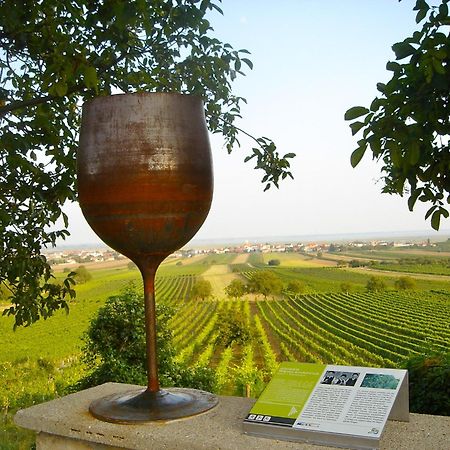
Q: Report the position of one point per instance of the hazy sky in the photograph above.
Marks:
(312, 61)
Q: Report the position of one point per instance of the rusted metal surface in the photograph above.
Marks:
(145, 187)
(145, 406)
(144, 172)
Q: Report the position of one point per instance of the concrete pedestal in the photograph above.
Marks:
(66, 424)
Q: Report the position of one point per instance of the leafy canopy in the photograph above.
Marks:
(82, 275)
(55, 55)
(115, 346)
(235, 289)
(407, 127)
(202, 289)
(375, 284)
(265, 282)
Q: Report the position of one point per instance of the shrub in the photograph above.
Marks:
(375, 284)
(82, 275)
(429, 383)
(232, 328)
(357, 263)
(201, 289)
(115, 348)
(346, 287)
(265, 282)
(235, 289)
(405, 283)
(274, 262)
(295, 287)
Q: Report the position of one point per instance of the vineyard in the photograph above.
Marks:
(368, 329)
(360, 328)
(323, 324)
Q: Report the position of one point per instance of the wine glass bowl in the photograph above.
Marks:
(145, 187)
(145, 172)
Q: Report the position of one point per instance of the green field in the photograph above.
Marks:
(295, 260)
(323, 324)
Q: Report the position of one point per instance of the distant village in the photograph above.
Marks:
(81, 256)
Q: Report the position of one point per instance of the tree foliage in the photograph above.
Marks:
(265, 282)
(82, 275)
(202, 289)
(115, 348)
(405, 283)
(274, 262)
(375, 284)
(407, 127)
(429, 383)
(296, 287)
(54, 55)
(232, 329)
(346, 287)
(235, 289)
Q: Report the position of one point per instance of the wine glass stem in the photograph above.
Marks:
(148, 276)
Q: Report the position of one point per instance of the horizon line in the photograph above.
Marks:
(290, 237)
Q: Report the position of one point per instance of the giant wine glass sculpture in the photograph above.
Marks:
(145, 187)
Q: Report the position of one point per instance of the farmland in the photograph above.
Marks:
(324, 323)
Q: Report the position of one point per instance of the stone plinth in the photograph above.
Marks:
(66, 424)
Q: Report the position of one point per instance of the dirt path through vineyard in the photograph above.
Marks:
(220, 276)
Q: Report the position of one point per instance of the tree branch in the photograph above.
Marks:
(237, 128)
(44, 99)
(23, 104)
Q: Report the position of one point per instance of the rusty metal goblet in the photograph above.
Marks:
(145, 187)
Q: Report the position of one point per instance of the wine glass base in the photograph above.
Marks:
(144, 406)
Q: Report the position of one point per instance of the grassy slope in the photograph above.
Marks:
(59, 335)
(219, 276)
(296, 260)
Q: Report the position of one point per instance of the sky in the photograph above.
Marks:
(312, 61)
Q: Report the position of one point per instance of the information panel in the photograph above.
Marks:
(329, 404)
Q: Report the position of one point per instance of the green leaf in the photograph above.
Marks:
(413, 198)
(421, 4)
(396, 156)
(355, 127)
(438, 67)
(355, 112)
(430, 211)
(414, 153)
(90, 77)
(59, 89)
(357, 155)
(403, 49)
(248, 62)
(376, 103)
(381, 87)
(216, 8)
(393, 66)
(375, 145)
(443, 10)
(436, 220)
(421, 15)
(440, 53)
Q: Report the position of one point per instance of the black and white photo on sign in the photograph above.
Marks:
(332, 377)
